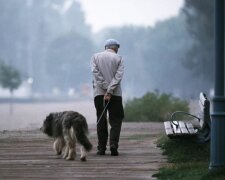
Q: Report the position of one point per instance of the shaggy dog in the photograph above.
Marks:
(67, 128)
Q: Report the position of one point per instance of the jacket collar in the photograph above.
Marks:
(110, 50)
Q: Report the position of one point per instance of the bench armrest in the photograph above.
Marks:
(181, 112)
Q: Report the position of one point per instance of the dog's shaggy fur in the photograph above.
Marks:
(68, 127)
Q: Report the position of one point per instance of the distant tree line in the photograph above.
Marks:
(176, 55)
(52, 43)
(46, 41)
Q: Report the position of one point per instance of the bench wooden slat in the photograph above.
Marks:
(168, 128)
(176, 129)
(169, 132)
(183, 127)
(201, 122)
(201, 105)
(202, 98)
(167, 125)
(190, 128)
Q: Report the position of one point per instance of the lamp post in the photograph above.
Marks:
(217, 152)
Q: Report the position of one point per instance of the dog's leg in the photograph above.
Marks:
(83, 154)
(72, 145)
(66, 138)
(58, 145)
(70, 139)
(66, 152)
(72, 153)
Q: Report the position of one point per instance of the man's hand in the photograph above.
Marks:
(107, 96)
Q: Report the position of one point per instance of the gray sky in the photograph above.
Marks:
(107, 13)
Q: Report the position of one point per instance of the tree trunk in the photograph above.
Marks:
(11, 103)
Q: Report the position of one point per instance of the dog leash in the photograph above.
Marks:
(105, 107)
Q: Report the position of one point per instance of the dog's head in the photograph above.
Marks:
(47, 125)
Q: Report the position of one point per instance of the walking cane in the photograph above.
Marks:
(105, 107)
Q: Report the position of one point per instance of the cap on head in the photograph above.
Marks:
(111, 42)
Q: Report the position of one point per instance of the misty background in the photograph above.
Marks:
(50, 43)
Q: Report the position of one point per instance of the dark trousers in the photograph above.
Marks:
(116, 115)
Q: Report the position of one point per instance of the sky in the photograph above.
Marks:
(107, 13)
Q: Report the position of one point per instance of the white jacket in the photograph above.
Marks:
(107, 69)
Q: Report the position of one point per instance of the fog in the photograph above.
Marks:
(26, 116)
(50, 44)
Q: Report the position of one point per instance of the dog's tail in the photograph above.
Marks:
(81, 131)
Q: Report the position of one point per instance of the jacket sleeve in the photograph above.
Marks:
(97, 74)
(117, 78)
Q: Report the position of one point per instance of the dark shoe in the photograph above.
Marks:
(100, 152)
(114, 151)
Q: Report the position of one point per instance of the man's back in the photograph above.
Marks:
(107, 62)
(108, 69)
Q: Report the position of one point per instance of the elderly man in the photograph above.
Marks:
(107, 69)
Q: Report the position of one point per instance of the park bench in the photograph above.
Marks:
(187, 128)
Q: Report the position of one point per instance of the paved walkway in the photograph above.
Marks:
(29, 155)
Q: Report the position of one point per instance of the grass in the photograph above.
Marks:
(187, 160)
